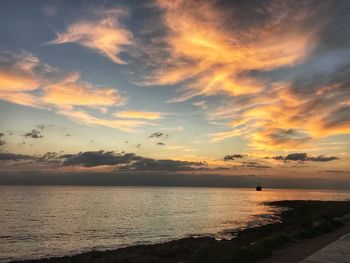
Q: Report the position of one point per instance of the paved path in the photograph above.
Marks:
(299, 251)
(336, 252)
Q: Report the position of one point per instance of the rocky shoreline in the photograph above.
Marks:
(299, 221)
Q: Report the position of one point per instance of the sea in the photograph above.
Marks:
(45, 221)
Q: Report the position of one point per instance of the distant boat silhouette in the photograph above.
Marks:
(258, 187)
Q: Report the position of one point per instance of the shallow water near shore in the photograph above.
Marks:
(44, 221)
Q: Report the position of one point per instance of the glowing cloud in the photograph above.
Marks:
(213, 52)
(210, 58)
(284, 118)
(103, 33)
(17, 72)
(63, 93)
(72, 92)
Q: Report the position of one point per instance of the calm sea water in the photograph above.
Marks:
(42, 221)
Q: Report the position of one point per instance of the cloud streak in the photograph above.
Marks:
(65, 93)
(209, 57)
(103, 33)
(158, 135)
(126, 161)
(233, 157)
(14, 157)
(97, 159)
(303, 157)
(278, 75)
(146, 115)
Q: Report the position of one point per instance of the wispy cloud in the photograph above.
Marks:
(217, 51)
(14, 157)
(303, 157)
(290, 118)
(201, 104)
(64, 93)
(103, 33)
(19, 75)
(147, 115)
(208, 57)
(86, 118)
(70, 91)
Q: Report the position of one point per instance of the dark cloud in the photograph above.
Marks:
(339, 117)
(322, 158)
(98, 158)
(160, 143)
(148, 164)
(126, 161)
(35, 134)
(2, 145)
(233, 157)
(252, 165)
(138, 145)
(14, 157)
(222, 168)
(49, 158)
(303, 157)
(158, 135)
(67, 135)
(2, 142)
(337, 171)
(283, 136)
(122, 161)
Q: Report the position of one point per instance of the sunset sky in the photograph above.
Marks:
(209, 87)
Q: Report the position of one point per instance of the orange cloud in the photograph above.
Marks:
(283, 119)
(17, 72)
(73, 92)
(21, 98)
(103, 33)
(10, 81)
(210, 59)
(20, 74)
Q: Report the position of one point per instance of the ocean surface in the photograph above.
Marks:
(43, 221)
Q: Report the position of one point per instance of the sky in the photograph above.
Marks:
(243, 89)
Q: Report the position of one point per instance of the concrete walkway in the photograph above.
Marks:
(336, 252)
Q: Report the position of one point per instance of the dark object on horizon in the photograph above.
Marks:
(258, 187)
